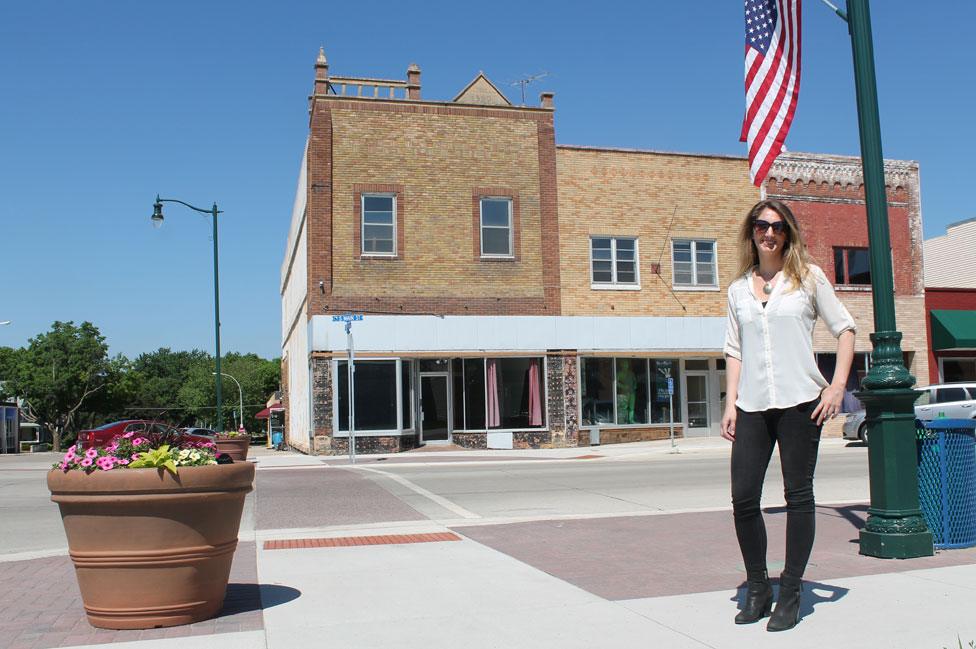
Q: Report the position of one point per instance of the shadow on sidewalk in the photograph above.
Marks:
(853, 514)
(241, 598)
(811, 595)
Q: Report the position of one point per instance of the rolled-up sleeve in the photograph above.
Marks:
(733, 344)
(833, 312)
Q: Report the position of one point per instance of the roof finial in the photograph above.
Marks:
(321, 58)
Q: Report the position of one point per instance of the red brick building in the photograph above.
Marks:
(826, 193)
(520, 293)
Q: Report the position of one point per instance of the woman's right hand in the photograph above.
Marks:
(728, 422)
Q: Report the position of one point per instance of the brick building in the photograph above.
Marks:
(950, 302)
(519, 293)
(826, 193)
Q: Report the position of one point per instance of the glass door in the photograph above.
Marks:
(696, 400)
(435, 409)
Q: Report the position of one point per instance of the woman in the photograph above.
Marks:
(776, 395)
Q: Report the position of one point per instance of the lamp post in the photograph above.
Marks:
(240, 393)
(157, 221)
(895, 527)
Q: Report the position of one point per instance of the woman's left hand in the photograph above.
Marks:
(830, 401)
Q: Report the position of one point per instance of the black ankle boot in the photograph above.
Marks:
(759, 599)
(787, 612)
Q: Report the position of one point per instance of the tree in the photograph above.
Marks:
(156, 379)
(58, 372)
(258, 378)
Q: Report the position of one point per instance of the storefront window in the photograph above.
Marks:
(406, 393)
(627, 391)
(597, 390)
(474, 394)
(661, 369)
(457, 376)
(376, 395)
(631, 391)
(515, 393)
(958, 369)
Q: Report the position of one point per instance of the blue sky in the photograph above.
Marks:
(106, 104)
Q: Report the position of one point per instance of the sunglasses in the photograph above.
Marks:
(761, 226)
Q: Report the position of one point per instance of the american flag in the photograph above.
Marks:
(772, 79)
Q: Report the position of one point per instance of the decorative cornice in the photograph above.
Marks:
(822, 168)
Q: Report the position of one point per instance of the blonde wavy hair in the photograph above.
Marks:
(796, 262)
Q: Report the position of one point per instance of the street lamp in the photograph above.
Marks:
(157, 222)
(895, 527)
(240, 393)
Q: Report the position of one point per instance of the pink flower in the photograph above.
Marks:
(111, 448)
(129, 434)
(87, 462)
(139, 441)
(91, 454)
(123, 461)
(70, 455)
(135, 456)
(105, 463)
(63, 466)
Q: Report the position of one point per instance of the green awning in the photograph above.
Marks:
(953, 330)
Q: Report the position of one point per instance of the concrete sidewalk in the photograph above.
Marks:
(672, 579)
(662, 581)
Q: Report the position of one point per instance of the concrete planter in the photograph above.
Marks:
(151, 549)
(235, 447)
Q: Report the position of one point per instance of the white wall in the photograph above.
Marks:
(950, 260)
(296, 351)
(294, 317)
(516, 333)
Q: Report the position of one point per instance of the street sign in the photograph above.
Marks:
(670, 386)
(347, 317)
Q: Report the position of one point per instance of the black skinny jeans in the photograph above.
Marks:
(798, 437)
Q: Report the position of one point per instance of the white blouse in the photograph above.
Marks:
(775, 343)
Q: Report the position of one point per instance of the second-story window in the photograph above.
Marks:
(496, 227)
(613, 262)
(852, 266)
(694, 263)
(379, 224)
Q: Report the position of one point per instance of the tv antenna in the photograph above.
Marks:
(529, 78)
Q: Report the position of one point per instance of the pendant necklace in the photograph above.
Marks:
(768, 286)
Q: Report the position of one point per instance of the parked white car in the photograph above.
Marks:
(951, 400)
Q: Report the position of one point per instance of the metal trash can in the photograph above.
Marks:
(947, 480)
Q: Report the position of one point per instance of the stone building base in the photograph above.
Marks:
(365, 445)
(625, 435)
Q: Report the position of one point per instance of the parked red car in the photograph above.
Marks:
(103, 435)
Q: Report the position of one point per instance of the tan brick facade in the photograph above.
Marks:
(440, 159)
(434, 158)
(626, 193)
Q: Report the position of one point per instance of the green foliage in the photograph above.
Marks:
(157, 458)
(70, 383)
(258, 378)
(58, 372)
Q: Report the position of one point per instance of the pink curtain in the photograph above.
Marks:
(494, 417)
(535, 401)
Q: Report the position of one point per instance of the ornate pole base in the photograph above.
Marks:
(895, 528)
